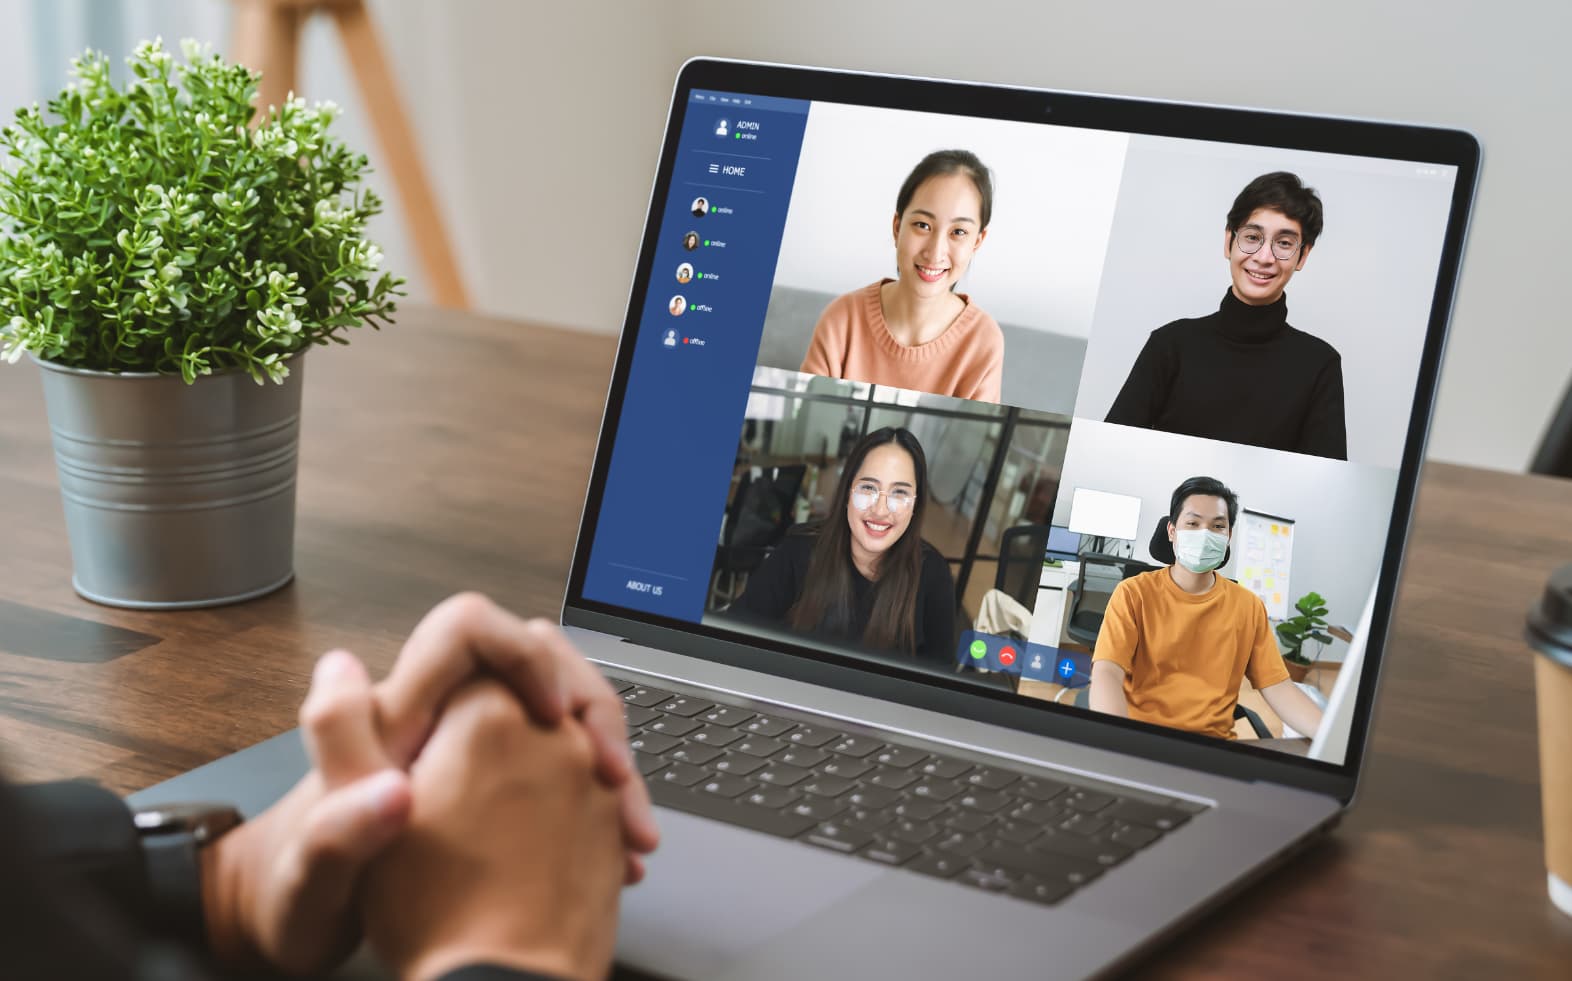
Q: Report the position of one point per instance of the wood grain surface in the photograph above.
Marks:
(451, 452)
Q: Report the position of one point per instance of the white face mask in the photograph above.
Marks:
(1200, 550)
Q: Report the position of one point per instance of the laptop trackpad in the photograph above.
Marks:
(715, 892)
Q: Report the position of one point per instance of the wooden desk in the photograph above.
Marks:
(451, 451)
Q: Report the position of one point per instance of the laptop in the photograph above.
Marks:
(1064, 545)
(873, 783)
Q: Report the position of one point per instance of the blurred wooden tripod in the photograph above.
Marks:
(267, 39)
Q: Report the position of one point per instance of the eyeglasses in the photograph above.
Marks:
(864, 496)
(1250, 239)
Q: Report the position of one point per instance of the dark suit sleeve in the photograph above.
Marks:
(74, 895)
(85, 833)
(1325, 433)
(936, 601)
(1140, 402)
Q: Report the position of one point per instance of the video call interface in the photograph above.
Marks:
(1105, 420)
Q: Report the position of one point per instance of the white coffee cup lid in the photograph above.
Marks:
(1560, 893)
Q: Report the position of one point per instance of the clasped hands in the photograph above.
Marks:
(479, 805)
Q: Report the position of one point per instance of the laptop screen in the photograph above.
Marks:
(1063, 544)
(1088, 416)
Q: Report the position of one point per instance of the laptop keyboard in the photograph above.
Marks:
(995, 828)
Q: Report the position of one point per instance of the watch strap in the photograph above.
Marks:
(174, 881)
(173, 836)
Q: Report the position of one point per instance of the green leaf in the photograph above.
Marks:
(132, 221)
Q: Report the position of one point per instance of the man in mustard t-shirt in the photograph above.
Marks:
(1175, 642)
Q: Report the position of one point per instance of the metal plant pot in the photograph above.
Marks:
(176, 495)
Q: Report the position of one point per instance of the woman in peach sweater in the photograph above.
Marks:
(914, 331)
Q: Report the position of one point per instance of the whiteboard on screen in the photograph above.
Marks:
(1265, 543)
(1105, 515)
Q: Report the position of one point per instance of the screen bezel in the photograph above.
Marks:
(1235, 759)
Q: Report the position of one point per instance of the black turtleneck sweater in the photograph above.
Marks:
(1243, 375)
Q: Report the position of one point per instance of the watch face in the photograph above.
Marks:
(203, 821)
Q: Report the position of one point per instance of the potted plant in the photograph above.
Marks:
(1294, 632)
(167, 264)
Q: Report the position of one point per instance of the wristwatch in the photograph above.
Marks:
(173, 836)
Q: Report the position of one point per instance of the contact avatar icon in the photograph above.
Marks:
(671, 339)
(721, 127)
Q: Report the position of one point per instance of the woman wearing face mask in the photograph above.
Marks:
(1176, 642)
(914, 331)
(863, 576)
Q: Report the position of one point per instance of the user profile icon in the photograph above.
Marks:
(700, 206)
(671, 339)
(722, 127)
(678, 305)
(690, 241)
(685, 272)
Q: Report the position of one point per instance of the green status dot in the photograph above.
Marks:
(714, 208)
(693, 306)
(706, 241)
(737, 136)
(979, 650)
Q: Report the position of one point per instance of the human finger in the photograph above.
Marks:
(640, 832)
(593, 701)
(538, 662)
(633, 870)
(351, 824)
(338, 720)
(462, 636)
(344, 831)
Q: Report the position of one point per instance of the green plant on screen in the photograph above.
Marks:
(1307, 625)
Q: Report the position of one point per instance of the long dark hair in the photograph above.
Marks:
(826, 600)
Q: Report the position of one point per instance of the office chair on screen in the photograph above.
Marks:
(1086, 610)
(757, 519)
(1087, 605)
(1021, 552)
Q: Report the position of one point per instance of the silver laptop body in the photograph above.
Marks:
(723, 902)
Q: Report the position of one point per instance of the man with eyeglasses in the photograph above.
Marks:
(1243, 374)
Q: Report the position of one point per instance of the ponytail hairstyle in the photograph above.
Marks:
(943, 163)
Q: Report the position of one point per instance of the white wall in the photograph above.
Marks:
(17, 86)
(1365, 288)
(1499, 70)
(1340, 510)
(540, 127)
(1054, 191)
(523, 106)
